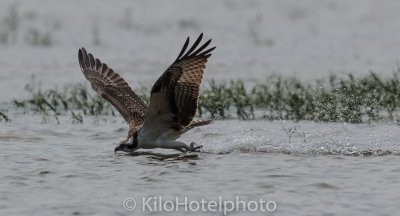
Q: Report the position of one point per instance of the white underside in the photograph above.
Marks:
(154, 138)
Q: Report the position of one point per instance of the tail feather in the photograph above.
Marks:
(193, 124)
(198, 123)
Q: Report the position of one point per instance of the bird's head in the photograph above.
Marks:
(130, 147)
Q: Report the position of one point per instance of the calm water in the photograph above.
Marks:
(66, 169)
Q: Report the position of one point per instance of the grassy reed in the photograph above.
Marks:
(348, 99)
(4, 117)
(367, 99)
(74, 99)
(17, 27)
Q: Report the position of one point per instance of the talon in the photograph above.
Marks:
(195, 148)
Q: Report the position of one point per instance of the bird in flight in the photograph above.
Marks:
(173, 100)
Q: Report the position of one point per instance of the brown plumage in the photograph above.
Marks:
(179, 85)
(173, 100)
(115, 89)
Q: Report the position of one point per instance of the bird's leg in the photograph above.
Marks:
(172, 144)
(194, 147)
(180, 146)
(181, 150)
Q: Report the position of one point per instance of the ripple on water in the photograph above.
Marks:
(17, 178)
(396, 170)
(40, 159)
(70, 176)
(324, 185)
(280, 176)
(21, 138)
(45, 172)
(18, 184)
(265, 185)
(149, 179)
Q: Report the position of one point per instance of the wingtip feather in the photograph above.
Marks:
(194, 46)
(192, 52)
(183, 48)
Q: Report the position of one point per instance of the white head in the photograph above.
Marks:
(130, 147)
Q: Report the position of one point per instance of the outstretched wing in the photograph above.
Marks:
(113, 88)
(174, 97)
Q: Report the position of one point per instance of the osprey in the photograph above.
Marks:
(173, 100)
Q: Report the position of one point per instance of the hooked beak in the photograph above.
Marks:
(116, 149)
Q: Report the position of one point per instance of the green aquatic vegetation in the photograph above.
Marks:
(24, 27)
(345, 99)
(76, 118)
(55, 102)
(9, 25)
(35, 37)
(215, 101)
(4, 117)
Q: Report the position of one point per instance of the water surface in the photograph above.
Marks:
(71, 169)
